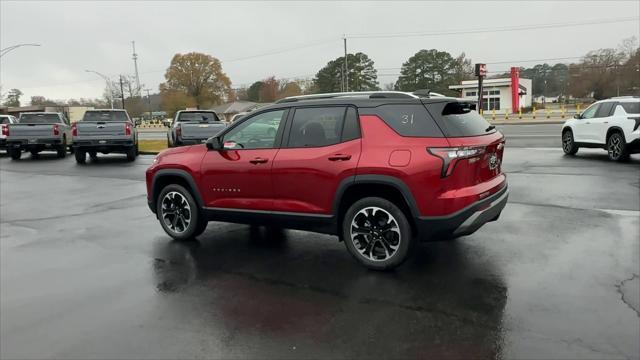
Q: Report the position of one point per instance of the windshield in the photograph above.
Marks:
(197, 116)
(119, 116)
(39, 118)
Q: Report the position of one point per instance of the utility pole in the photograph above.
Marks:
(149, 102)
(135, 64)
(346, 66)
(122, 91)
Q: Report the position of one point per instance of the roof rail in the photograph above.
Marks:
(355, 94)
(626, 97)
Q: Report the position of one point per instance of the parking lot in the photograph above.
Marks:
(87, 272)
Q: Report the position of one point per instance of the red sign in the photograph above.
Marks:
(481, 70)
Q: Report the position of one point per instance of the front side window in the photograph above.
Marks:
(314, 127)
(590, 112)
(257, 132)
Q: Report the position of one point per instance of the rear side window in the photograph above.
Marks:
(605, 109)
(631, 107)
(409, 120)
(5, 120)
(314, 127)
(198, 116)
(351, 128)
(459, 119)
(118, 116)
(39, 119)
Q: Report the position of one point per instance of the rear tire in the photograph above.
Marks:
(179, 214)
(93, 155)
(81, 156)
(568, 144)
(131, 153)
(15, 154)
(377, 233)
(617, 147)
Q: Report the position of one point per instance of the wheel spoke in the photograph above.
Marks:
(375, 233)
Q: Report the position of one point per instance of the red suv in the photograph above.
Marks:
(380, 170)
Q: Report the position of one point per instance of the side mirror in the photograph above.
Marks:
(214, 143)
(577, 116)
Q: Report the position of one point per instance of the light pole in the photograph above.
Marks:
(8, 49)
(108, 85)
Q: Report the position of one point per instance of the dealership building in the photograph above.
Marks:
(503, 95)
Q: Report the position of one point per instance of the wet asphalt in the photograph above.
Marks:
(87, 272)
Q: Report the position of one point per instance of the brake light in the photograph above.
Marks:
(178, 131)
(74, 129)
(451, 156)
(127, 129)
(56, 129)
(5, 129)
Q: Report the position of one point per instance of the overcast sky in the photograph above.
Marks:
(97, 35)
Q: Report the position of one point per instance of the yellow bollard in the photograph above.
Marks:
(506, 114)
(520, 113)
(547, 112)
(578, 108)
(534, 112)
(562, 112)
(493, 111)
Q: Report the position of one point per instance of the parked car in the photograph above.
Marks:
(378, 169)
(5, 120)
(38, 131)
(104, 131)
(193, 127)
(612, 124)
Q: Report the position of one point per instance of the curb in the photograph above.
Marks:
(554, 122)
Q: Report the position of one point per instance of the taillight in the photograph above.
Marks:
(5, 129)
(451, 156)
(56, 129)
(178, 131)
(74, 129)
(127, 129)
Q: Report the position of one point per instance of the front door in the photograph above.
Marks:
(600, 122)
(323, 148)
(239, 175)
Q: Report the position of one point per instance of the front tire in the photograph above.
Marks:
(179, 214)
(568, 144)
(617, 147)
(377, 233)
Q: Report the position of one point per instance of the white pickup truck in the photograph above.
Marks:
(104, 131)
(38, 131)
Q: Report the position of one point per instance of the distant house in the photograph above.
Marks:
(226, 111)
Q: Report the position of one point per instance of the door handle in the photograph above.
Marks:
(339, 157)
(587, 123)
(258, 160)
(606, 122)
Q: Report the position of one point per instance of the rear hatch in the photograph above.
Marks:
(102, 124)
(475, 151)
(34, 126)
(199, 125)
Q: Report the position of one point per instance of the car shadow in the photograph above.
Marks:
(601, 156)
(445, 301)
(104, 160)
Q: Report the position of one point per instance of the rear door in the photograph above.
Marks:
(597, 129)
(321, 149)
(239, 176)
(582, 131)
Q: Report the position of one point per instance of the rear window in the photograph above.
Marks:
(5, 120)
(119, 116)
(459, 119)
(198, 116)
(39, 118)
(631, 107)
(410, 120)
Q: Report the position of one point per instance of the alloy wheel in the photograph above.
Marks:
(375, 233)
(615, 146)
(567, 142)
(176, 212)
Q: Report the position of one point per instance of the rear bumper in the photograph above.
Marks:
(111, 145)
(33, 144)
(465, 221)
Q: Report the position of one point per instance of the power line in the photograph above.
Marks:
(494, 29)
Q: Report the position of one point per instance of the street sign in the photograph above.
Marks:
(481, 70)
